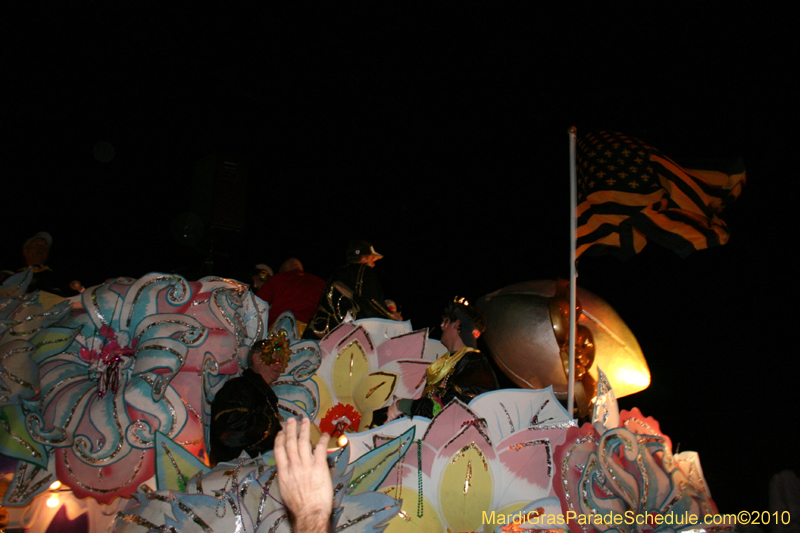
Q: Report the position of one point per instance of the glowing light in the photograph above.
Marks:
(53, 501)
(341, 441)
(55, 485)
(633, 377)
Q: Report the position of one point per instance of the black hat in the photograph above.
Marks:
(473, 324)
(359, 249)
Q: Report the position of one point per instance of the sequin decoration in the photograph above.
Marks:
(363, 364)
(620, 470)
(538, 442)
(462, 452)
(243, 496)
(132, 368)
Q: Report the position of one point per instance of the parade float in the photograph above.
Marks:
(106, 399)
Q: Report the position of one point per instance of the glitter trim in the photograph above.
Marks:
(81, 444)
(565, 469)
(508, 417)
(16, 380)
(181, 477)
(603, 451)
(16, 351)
(22, 490)
(471, 446)
(535, 420)
(34, 417)
(548, 451)
(20, 440)
(416, 332)
(172, 500)
(139, 521)
(479, 424)
(278, 523)
(361, 518)
(173, 295)
(102, 491)
(392, 386)
(354, 483)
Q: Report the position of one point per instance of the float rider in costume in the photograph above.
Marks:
(292, 289)
(354, 289)
(461, 373)
(36, 251)
(244, 413)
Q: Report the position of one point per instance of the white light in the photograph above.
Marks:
(342, 441)
(55, 485)
(52, 501)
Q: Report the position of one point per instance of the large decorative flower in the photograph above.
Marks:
(367, 362)
(630, 471)
(476, 465)
(133, 369)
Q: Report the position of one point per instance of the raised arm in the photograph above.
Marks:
(304, 478)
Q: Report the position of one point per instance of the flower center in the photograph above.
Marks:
(105, 364)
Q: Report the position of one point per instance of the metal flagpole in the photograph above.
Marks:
(573, 271)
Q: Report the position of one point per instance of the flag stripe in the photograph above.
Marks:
(691, 195)
(630, 193)
(594, 222)
(680, 231)
(656, 232)
(726, 187)
(621, 241)
(603, 203)
(621, 200)
(715, 233)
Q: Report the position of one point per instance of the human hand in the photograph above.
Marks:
(303, 477)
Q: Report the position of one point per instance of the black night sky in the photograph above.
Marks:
(438, 131)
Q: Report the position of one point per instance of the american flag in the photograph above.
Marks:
(630, 193)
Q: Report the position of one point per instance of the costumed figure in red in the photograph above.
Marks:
(292, 289)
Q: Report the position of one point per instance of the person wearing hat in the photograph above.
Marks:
(244, 413)
(260, 274)
(36, 250)
(353, 288)
(462, 373)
